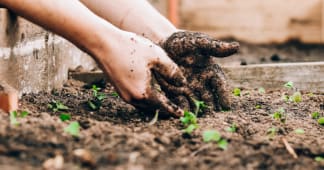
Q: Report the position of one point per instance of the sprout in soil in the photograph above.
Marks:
(14, 115)
(299, 131)
(261, 90)
(296, 97)
(289, 85)
(280, 115)
(200, 105)
(315, 115)
(189, 120)
(232, 128)
(320, 121)
(237, 92)
(319, 159)
(114, 94)
(98, 97)
(272, 132)
(57, 106)
(73, 129)
(258, 106)
(215, 136)
(65, 116)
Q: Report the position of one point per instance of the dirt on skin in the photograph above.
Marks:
(118, 137)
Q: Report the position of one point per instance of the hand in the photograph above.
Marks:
(129, 66)
(206, 80)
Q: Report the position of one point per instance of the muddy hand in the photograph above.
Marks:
(206, 80)
(130, 69)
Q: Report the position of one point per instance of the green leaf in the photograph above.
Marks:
(315, 115)
(73, 129)
(232, 129)
(319, 158)
(65, 116)
(289, 85)
(222, 144)
(92, 105)
(191, 128)
(299, 131)
(272, 131)
(286, 98)
(23, 114)
(321, 121)
(101, 96)
(114, 94)
(280, 115)
(258, 106)
(189, 118)
(211, 136)
(237, 92)
(296, 97)
(261, 90)
(199, 106)
(13, 118)
(61, 106)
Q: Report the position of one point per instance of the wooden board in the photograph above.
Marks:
(254, 20)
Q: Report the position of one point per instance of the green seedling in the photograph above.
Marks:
(258, 106)
(215, 136)
(114, 94)
(286, 98)
(189, 120)
(73, 129)
(237, 92)
(65, 116)
(98, 97)
(199, 105)
(319, 159)
(272, 132)
(320, 121)
(310, 94)
(315, 115)
(280, 115)
(232, 128)
(261, 90)
(57, 106)
(296, 97)
(14, 115)
(299, 131)
(289, 85)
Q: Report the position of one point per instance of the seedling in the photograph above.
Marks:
(296, 97)
(315, 115)
(280, 115)
(299, 131)
(200, 105)
(65, 116)
(272, 132)
(189, 121)
(261, 90)
(215, 136)
(232, 128)
(320, 121)
(57, 106)
(98, 97)
(319, 159)
(289, 85)
(258, 106)
(114, 94)
(14, 115)
(237, 92)
(73, 129)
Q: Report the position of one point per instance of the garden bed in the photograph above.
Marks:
(118, 137)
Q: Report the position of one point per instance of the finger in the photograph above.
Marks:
(169, 71)
(185, 43)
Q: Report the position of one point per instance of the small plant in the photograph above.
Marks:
(14, 115)
(199, 105)
(299, 131)
(232, 128)
(272, 132)
(237, 92)
(189, 120)
(114, 94)
(280, 115)
(296, 97)
(319, 159)
(320, 121)
(258, 106)
(315, 115)
(98, 97)
(289, 85)
(73, 129)
(65, 116)
(261, 90)
(215, 136)
(57, 106)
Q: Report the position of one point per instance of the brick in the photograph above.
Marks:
(8, 98)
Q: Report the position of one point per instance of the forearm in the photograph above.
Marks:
(136, 16)
(70, 19)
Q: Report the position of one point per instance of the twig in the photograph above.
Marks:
(155, 119)
(289, 148)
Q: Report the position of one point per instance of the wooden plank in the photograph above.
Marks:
(254, 20)
(306, 76)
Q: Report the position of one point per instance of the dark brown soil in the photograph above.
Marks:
(119, 137)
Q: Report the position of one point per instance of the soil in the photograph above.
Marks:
(119, 137)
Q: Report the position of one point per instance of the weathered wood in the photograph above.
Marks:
(306, 76)
(254, 20)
